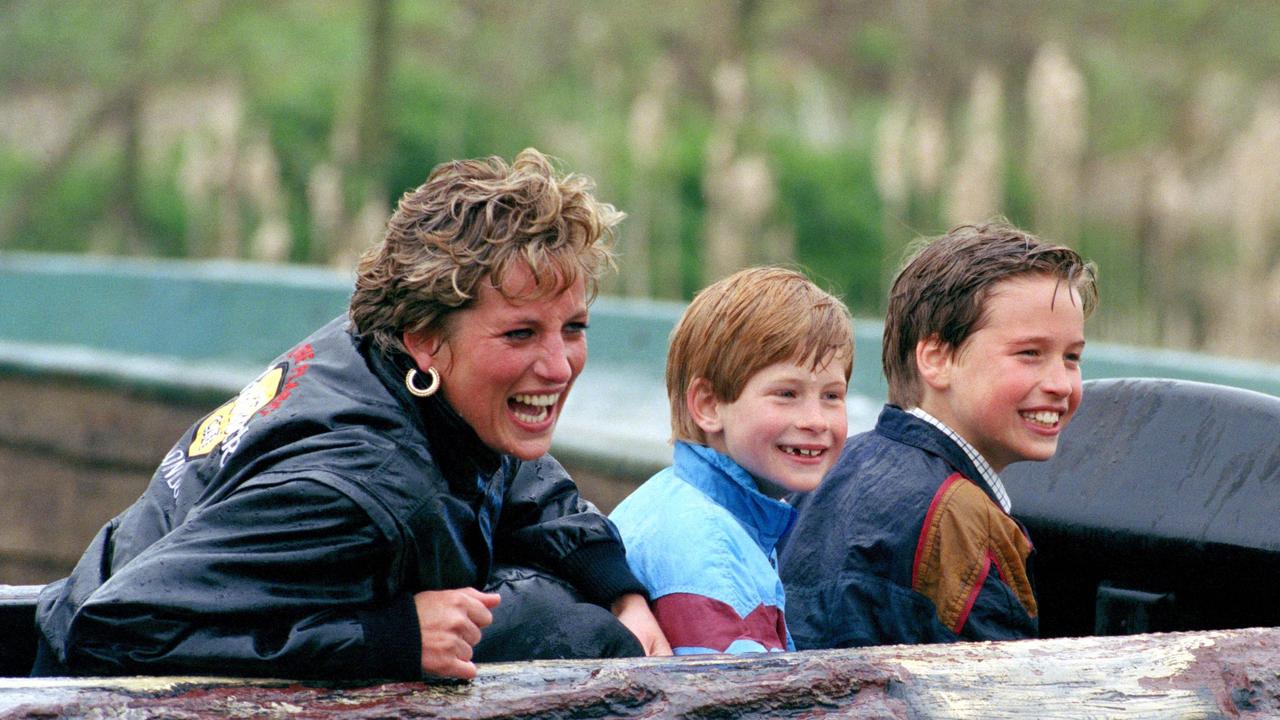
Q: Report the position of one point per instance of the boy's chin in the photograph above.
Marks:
(1038, 453)
(771, 489)
(779, 490)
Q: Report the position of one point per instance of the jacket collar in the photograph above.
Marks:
(724, 481)
(985, 472)
(900, 425)
(455, 447)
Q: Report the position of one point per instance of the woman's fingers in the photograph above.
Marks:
(449, 622)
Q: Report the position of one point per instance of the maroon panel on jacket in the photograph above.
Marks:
(691, 620)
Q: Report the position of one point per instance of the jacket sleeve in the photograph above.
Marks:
(546, 523)
(997, 613)
(274, 580)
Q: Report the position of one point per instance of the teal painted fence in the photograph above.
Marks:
(209, 327)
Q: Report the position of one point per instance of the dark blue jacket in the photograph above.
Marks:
(286, 532)
(898, 545)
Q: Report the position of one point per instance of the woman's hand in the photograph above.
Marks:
(633, 611)
(450, 622)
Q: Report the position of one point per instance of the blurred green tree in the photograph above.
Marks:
(818, 133)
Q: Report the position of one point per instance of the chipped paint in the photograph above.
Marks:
(1114, 683)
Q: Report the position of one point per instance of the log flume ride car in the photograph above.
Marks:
(1156, 517)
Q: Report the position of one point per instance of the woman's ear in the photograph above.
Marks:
(933, 362)
(423, 347)
(703, 406)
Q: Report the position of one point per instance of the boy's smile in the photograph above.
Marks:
(1014, 383)
(787, 426)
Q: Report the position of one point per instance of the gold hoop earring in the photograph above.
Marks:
(426, 391)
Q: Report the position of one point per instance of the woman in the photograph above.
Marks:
(339, 516)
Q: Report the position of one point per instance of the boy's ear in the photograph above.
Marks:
(933, 362)
(703, 406)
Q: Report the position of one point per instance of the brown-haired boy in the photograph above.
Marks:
(909, 539)
(756, 374)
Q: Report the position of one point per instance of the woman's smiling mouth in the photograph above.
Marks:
(533, 409)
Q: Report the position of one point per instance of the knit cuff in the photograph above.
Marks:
(392, 640)
(599, 571)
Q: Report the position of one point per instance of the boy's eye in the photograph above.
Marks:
(575, 328)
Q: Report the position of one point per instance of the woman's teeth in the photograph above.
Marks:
(533, 408)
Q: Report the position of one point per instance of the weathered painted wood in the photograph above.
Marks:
(1220, 674)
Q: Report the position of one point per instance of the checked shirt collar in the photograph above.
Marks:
(989, 476)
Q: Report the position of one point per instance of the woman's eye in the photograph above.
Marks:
(521, 334)
(575, 328)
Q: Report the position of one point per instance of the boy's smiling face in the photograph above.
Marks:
(786, 427)
(1013, 384)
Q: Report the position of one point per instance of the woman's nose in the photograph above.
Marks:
(554, 365)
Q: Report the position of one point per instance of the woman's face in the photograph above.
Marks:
(507, 366)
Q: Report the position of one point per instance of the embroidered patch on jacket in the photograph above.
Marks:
(965, 534)
(231, 417)
(224, 426)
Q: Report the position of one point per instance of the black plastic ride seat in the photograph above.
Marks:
(1159, 512)
(17, 629)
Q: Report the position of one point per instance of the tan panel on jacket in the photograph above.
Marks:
(964, 535)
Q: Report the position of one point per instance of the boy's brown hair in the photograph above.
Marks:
(746, 322)
(943, 287)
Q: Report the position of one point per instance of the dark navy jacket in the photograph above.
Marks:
(286, 532)
(898, 545)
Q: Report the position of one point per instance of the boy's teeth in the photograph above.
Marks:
(1044, 417)
(804, 452)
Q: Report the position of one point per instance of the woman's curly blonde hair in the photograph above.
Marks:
(474, 220)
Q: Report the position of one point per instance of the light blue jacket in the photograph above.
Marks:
(702, 538)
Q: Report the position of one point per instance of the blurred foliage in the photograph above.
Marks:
(466, 78)
(838, 234)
